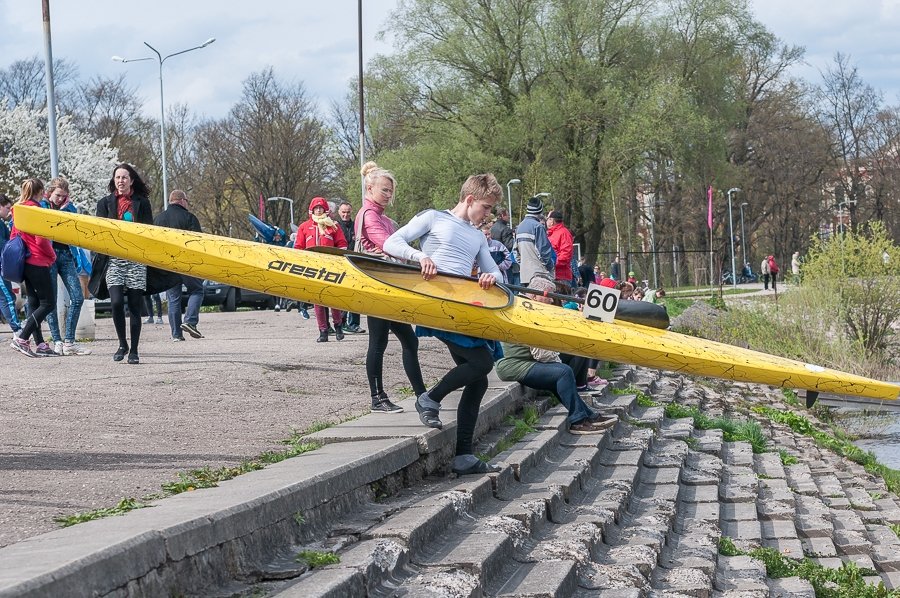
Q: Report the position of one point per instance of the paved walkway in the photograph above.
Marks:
(81, 433)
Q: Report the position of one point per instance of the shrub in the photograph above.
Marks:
(860, 274)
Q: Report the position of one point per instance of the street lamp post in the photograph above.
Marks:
(731, 237)
(743, 244)
(544, 194)
(291, 206)
(509, 196)
(162, 106)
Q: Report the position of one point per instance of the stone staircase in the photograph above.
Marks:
(635, 512)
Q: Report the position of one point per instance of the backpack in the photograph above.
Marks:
(12, 260)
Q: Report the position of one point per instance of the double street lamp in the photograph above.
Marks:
(162, 107)
(731, 237)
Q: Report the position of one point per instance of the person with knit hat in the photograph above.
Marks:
(535, 251)
(321, 230)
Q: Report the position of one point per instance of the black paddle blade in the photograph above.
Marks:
(811, 397)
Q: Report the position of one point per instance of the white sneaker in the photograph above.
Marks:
(71, 348)
(58, 347)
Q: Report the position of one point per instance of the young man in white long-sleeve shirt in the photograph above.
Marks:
(451, 243)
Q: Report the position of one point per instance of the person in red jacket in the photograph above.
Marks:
(41, 298)
(321, 231)
(563, 244)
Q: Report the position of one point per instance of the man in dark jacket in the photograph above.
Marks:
(178, 216)
(345, 220)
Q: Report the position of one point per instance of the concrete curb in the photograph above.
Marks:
(213, 535)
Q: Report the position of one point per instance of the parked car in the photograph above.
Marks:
(226, 297)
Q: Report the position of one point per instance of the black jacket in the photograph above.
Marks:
(177, 216)
(143, 213)
(349, 233)
(501, 231)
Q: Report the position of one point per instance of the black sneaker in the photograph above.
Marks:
(323, 337)
(382, 404)
(192, 330)
(339, 333)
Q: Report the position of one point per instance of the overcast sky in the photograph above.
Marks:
(315, 42)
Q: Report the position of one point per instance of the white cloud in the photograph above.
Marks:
(863, 29)
(309, 41)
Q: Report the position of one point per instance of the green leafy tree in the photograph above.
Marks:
(860, 272)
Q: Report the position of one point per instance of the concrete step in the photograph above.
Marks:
(550, 579)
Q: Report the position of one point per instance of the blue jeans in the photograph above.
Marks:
(65, 268)
(192, 312)
(560, 379)
(8, 305)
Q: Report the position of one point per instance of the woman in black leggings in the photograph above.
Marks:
(126, 280)
(41, 298)
(373, 228)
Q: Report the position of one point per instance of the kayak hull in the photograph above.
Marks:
(363, 285)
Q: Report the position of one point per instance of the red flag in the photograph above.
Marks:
(709, 194)
(262, 208)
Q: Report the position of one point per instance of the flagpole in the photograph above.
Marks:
(709, 223)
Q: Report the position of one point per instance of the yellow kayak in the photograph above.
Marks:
(397, 292)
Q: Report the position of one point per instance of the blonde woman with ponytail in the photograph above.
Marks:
(373, 227)
(41, 298)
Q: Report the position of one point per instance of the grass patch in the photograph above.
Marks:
(732, 430)
(643, 399)
(727, 547)
(787, 458)
(317, 558)
(205, 477)
(848, 581)
(125, 505)
(521, 427)
(894, 528)
(837, 442)
(675, 306)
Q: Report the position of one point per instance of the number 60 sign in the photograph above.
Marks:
(601, 302)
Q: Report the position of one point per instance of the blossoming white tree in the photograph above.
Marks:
(25, 152)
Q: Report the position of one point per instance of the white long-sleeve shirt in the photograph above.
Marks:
(453, 244)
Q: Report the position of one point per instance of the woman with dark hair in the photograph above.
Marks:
(128, 200)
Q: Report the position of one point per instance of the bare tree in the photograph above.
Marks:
(272, 143)
(849, 111)
(23, 83)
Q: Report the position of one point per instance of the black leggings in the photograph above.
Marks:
(117, 297)
(473, 364)
(378, 340)
(41, 300)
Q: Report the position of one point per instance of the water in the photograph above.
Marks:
(878, 433)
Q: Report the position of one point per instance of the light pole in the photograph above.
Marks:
(731, 237)
(291, 202)
(743, 245)
(509, 197)
(544, 194)
(162, 106)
